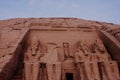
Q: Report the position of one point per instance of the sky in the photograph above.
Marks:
(97, 10)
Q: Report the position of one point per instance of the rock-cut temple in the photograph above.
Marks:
(59, 49)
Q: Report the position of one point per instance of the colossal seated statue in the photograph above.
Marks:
(52, 61)
(83, 58)
(31, 60)
(105, 61)
(82, 53)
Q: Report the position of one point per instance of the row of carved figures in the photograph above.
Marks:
(53, 60)
(96, 65)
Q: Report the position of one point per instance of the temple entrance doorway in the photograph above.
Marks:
(69, 76)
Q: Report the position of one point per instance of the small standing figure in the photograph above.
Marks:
(31, 60)
(66, 50)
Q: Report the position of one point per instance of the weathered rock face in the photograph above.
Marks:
(59, 49)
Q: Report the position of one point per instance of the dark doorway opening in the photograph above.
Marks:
(69, 76)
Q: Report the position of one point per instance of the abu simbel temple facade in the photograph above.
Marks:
(59, 49)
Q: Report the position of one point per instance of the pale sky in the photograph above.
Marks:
(98, 10)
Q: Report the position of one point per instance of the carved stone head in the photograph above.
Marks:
(100, 45)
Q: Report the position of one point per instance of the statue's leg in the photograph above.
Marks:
(78, 70)
(45, 71)
(81, 71)
(108, 70)
(58, 71)
(50, 71)
(35, 72)
(88, 70)
(96, 71)
(115, 69)
(28, 71)
(102, 71)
